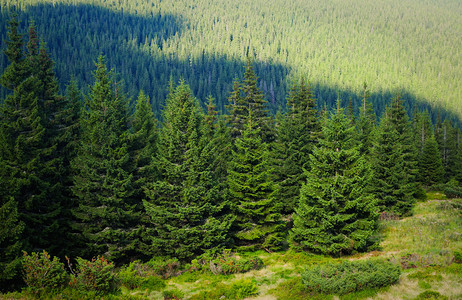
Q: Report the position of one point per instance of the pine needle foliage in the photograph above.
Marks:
(186, 204)
(336, 215)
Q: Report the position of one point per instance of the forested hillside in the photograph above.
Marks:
(94, 178)
(413, 46)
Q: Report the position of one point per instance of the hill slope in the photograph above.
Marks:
(414, 45)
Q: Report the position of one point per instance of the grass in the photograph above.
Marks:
(435, 225)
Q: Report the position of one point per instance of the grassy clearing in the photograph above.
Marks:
(436, 226)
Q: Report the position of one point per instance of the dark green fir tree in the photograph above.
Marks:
(186, 204)
(336, 215)
(431, 169)
(422, 130)
(392, 185)
(143, 146)
(31, 165)
(143, 143)
(237, 110)
(106, 222)
(247, 98)
(258, 221)
(298, 131)
(446, 136)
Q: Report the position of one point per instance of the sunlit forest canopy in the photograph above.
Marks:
(413, 45)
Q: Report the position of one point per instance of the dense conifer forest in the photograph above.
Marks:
(413, 46)
(213, 158)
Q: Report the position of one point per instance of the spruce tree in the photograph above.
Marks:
(237, 110)
(143, 143)
(247, 98)
(256, 104)
(431, 169)
(335, 214)
(258, 222)
(30, 163)
(17, 70)
(105, 221)
(392, 185)
(185, 203)
(298, 130)
(422, 130)
(143, 146)
(399, 119)
(446, 137)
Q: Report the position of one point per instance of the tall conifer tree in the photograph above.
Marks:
(31, 166)
(394, 181)
(297, 135)
(245, 99)
(103, 186)
(252, 192)
(185, 204)
(431, 169)
(336, 215)
(446, 137)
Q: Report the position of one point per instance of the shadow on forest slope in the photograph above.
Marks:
(132, 44)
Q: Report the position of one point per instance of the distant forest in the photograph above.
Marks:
(86, 173)
(413, 47)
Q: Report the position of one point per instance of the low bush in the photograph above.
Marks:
(429, 274)
(227, 263)
(96, 275)
(430, 295)
(165, 267)
(239, 289)
(452, 189)
(138, 275)
(152, 283)
(347, 277)
(242, 289)
(41, 273)
(130, 277)
(172, 294)
(458, 257)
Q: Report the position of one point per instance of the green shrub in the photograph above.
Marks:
(427, 274)
(347, 277)
(452, 189)
(458, 257)
(227, 263)
(153, 283)
(165, 267)
(431, 295)
(41, 273)
(454, 269)
(138, 275)
(95, 275)
(242, 289)
(237, 290)
(129, 276)
(173, 294)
